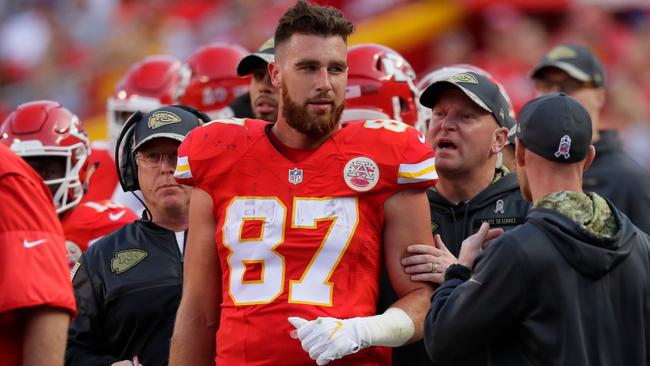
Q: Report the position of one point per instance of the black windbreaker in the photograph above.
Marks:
(616, 176)
(128, 289)
(500, 204)
(549, 293)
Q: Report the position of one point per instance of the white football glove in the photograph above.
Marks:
(328, 339)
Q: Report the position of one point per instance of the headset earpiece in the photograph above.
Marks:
(127, 169)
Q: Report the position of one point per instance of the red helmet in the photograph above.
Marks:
(214, 82)
(381, 85)
(45, 128)
(148, 84)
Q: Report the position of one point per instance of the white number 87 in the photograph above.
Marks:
(313, 287)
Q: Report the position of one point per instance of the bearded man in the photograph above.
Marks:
(295, 218)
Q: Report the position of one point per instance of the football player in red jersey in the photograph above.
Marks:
(303, 213)
(37, 299)
(54, 142)
(149, 83)
(381, 85)
(214, 83)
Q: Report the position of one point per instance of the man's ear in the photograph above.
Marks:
(499, 139)
(591, 154)
(520, 154)
(276, 77)
(600, 98)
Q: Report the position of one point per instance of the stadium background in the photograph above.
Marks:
(74, 51)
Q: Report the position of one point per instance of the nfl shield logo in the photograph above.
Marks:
(295, 176)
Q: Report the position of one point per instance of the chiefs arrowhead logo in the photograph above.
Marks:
(126, 259)
(159, 119)
(463, 78)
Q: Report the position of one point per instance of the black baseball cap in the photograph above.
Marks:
(556, 127)
(263, 56)
(478, 88)
(577, 61)
(172, 122)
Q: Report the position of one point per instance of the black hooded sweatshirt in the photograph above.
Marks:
(549, 293)
(500, 205)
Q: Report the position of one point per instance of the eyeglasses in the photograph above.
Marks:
(566, 85)
(153, 159)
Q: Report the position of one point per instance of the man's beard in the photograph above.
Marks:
(312, 125)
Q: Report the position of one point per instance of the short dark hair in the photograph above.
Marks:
(312, 19)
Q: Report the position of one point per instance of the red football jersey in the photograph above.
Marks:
(33, 268)
(103, 173)
(90, 221)
(299, 239)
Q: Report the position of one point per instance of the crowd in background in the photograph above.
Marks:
(75, 51)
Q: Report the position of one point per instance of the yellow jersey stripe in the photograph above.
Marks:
(417, 174)
(182, 168)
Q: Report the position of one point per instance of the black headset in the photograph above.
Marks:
(127, 169)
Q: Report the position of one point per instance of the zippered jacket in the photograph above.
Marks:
(128, 288)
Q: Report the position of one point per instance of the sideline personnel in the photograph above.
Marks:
(468, 129)
(569, 286)
(128, 284)
(576, 71)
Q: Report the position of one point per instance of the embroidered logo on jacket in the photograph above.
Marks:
(499, 207)
(126, 259)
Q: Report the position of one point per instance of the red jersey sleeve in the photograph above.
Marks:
(33, 262)
(417, 162)
(184, 173)
(102, 173)
(403, 157)
(210, 150)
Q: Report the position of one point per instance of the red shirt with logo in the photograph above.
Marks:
(33, 266)
(299, 238)
(103, 173)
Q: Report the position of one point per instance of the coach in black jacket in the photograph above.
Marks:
(128, 284)
(576, 71)
(568, 287)
(468, 129)
(617, 177)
